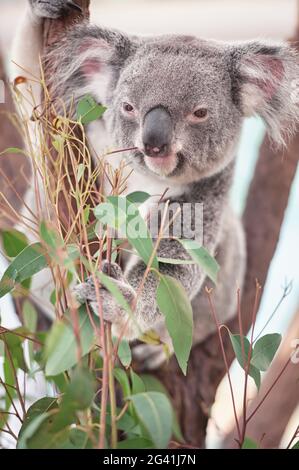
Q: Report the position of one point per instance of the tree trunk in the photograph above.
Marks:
(12, 182)
(54, 30)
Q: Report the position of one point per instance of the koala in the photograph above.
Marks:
(180, 102)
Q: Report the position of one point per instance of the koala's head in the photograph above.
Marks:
(181, 100)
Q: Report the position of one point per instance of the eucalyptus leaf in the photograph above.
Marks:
(176, 307)
(137, 383)
(78, 396)
(202, 257)
(88, 110)
(30, 321)
(110, 285)
(14, 242)
(61, 352)
(121, 215)
(154, 412)
(264, 351)
(136, 443)
(13, 150)
(122, 378)
(36, 415)
(138, 197)
(243, 358)
(30, 261)
(249, 443)
(152, 384)
(14, 340)
(124, 351)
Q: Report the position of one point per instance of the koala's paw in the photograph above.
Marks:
(100, 299)
(150, 357)
(53, 8)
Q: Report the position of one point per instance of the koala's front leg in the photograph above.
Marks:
(190, 276)
(99, 298)
(146, 314)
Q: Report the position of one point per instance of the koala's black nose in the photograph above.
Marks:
(157, 132)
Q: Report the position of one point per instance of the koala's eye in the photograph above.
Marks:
(201, 113)
(128, 108)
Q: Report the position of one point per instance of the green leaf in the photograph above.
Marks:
(3, 418)
(86, 214)
(264, 351)
(154, 412)
(137, 383)
(58, 143)
(61, 346)
(80, 391)
(88, 110)
(39, 435)
(126, 423)
(237, 346)
(123, 380)
(249, 443)
(50, 236)
(124, 351)
(14, 343)
(137, 443)
(9, 379)
(30, 322)
(31, 431)
(29, 262)
(125, 217)
(30, 316)
(176, 307)
(176, 261)
(138, 197)
(13, 150)
(295, 446)
(202, 257)
(78, 396)
(35, 416)
(152, 384)
(13, 242)
(61, 382)
(114, 290)
(80, 172)
(79, 440)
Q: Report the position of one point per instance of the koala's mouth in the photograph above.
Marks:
(166, 166)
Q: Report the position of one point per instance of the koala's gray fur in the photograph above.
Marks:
(180, 74)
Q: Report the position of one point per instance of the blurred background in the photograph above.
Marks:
(225, 20)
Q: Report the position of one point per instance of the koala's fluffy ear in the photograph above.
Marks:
(87, 61)
(266, 83)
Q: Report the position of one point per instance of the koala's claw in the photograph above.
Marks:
(84, 291)
(74, 5)
(112, 270)
(53, 8)
(111, 310)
